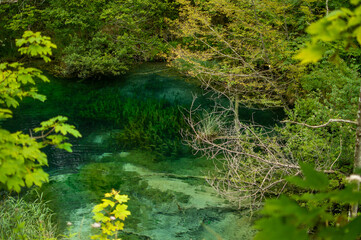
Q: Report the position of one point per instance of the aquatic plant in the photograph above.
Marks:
(209, 125)
(20, 219)
(147, 124)
(152, 125)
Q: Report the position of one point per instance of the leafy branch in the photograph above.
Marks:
(300, 217)
(21, 158)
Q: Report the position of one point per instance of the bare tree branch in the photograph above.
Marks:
(322, 125)
(8, 1)
(251, 162)
(327, 7)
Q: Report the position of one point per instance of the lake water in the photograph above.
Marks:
(169, 197)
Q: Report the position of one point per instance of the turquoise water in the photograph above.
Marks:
(128, 145)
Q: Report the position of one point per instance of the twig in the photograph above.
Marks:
(338, 154)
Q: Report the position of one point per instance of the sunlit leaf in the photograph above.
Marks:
(311, 54)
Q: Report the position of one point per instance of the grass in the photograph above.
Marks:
(20, 219)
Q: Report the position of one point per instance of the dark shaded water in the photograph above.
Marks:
(169, 197)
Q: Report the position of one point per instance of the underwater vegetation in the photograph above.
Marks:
(151, 125)
(147, 124)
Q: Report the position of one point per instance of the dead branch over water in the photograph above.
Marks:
(251, 162)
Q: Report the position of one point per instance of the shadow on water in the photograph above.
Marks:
(131, 142)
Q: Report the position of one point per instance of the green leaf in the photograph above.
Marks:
(11, 102)
(319, 29)
(98, 208)
(275, 228)
(56, 139)
(8, 167)
(5, 113)
(39, 97)
(43, 78)
(346, 195)
(350, 231)
(15, 183)
(37, 177)
(357, 33)
(108, 202)
(311, 54)
(26, 78)
(100, 217)
(66, 147)
(312, 179)
(282, 206)
(354, 21)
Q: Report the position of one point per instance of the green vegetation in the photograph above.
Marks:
(245, 51)
(323, 212)
(151, 125)
(106, 39)
(20, 219)
(21, 158)
(317, 215)
(147, 124)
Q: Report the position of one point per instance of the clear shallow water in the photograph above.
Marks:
(169, 198)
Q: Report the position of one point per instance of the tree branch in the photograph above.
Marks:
(8, 1)
(322, 125)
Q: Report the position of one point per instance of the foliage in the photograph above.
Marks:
(33, 44)
(20, 219)
(105, 39)
(110, 214)
(98, 57)
(320, 213)
(21, 159)
(313, 214)
(24, 19)
(125, 32)
(342, 25)
(340, 99)
(57, 125)
(256, 160)
(328, 92)
(237, 47)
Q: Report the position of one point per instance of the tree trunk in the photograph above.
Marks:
(357, 159)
